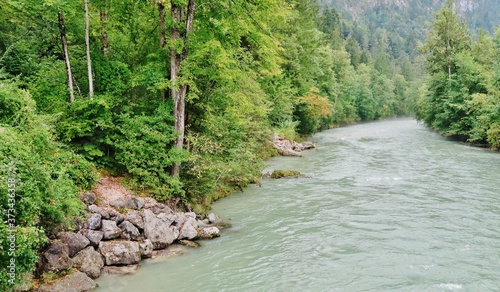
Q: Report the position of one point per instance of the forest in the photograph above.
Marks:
(181, 98)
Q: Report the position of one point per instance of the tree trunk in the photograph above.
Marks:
(104, 34)
(178, 90)
(87, 47)
(69, 76)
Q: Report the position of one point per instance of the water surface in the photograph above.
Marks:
(385, 206)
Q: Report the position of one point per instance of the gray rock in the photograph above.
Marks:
(129, 231)
(120, 252)
(118, 203)
(157, 231)
(88, 198)
(134, 217)
(90, 262)
(75, 282)
(153, 205)
(214, 219)
(94, 222)
(146, 247)
(209, 232)
(110, 230)
(118, 218)
(189, 229)
(75, 242)
(121, 270)
(98, 210)
(56, 258)
(168, 218)
(94, 236)
(133, 202)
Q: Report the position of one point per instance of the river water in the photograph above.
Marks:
(385, 206)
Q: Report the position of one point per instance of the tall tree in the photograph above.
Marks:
(62, 31)
(103, 16)
(183, 17)
(87, 49)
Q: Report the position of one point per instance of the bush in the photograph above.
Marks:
(43, 177)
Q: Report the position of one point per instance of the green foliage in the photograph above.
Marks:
(43, 174)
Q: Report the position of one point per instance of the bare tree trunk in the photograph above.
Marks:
(69, 76)
(104, 34)
(178, 91)
(87, 47)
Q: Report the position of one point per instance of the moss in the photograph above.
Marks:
(286, 173)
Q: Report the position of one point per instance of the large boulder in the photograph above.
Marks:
(94, 222)
(76, 242)
(157, 231)
(189, 229)
(209, 232)
(110, 230)
(56, 258)
(74, 282)
(94, 236)
(133, 202)
(134, 217)
(214, 219)
(98, 210)
(89, 261)
(146, 247)
(120, 252)
(129, 231)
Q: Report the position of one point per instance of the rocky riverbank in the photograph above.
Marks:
(287, 147)
(121, 229)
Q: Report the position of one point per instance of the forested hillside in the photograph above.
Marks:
(182, 98)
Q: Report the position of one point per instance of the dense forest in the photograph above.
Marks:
(181, 98)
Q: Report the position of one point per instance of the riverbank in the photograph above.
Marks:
(121, 230)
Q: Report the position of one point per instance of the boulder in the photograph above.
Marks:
(94, 236)
(146, 248)
(157, 231)
(153, 205)
(74, 282)
(118, 218)
(110, 230)
(214, 219)
(94, 222)
(75, 242)
(209, 232)
(129, 231)
(90, 262)
(56, 258)
(120, 252)
(133, 202)
(189, 229)
(98, 210)
(134, 217)
(168, 218)
(88, 198)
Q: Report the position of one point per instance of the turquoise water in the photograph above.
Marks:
(385, 206)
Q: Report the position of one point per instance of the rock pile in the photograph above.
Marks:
(120, 235)
(291, 148)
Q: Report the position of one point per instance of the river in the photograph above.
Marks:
(385, 206)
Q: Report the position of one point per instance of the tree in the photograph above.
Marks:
(183, 17)
(62, 31)
(87, 49)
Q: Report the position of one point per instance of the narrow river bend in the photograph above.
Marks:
(385, 206)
